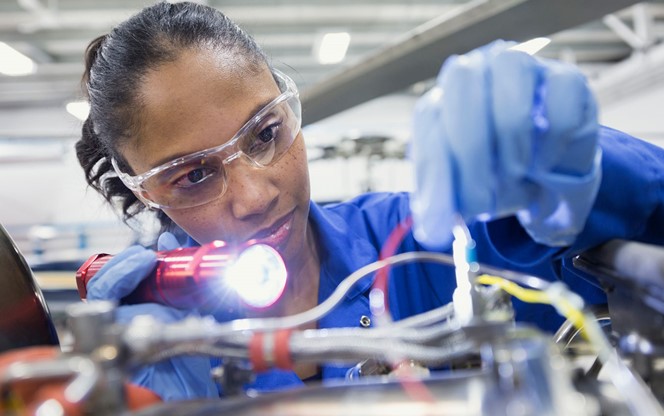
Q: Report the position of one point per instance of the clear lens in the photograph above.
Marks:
(192, 183)
(271, 137)
(200, 178)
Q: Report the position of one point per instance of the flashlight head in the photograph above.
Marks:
(258, 276)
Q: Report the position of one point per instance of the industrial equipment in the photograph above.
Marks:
(462, 360)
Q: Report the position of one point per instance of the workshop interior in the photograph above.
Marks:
(360, 67)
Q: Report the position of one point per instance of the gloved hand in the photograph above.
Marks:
(125, 271)
(178, 378)
(505, 133)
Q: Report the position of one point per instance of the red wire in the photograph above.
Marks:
(413, 387)
(389, 248)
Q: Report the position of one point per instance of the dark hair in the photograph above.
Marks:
(116, 65)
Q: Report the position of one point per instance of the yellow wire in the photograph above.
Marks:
(563, 306)
(620, 376)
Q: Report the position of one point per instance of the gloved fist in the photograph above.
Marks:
(125, 271)
(505, 133)
(184, 377)
(121, 274)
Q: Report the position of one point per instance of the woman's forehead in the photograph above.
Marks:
(193, 103)
(200, 78)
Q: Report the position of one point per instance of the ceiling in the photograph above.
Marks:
(394, 44)
(396, 48)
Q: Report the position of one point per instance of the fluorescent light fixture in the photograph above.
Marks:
(14, 63)
(79, 109)
(43, 232)
(332, 47)
(532, 46)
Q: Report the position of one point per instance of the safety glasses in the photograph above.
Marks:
(201, 177)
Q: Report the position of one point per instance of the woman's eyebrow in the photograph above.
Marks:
(253, 113)
(257, 109)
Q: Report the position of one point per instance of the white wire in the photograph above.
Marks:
(322, 309)
(442, 313)
(238, 326)
(357, 348)
(315, 313)
(238, 332)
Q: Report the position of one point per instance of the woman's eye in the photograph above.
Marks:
(193, 177)
(269, 133)
(263, 141)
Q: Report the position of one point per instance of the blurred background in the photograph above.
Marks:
(360, 65)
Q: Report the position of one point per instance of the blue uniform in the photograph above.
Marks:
(630, 205)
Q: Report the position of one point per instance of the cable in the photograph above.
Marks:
(195, 349)
(443, 313)
(566, 302)
(315, 313)
(414, 335)
(378, 296)
(358, 348)
(526, 295)
(293, 321)
(635, 393)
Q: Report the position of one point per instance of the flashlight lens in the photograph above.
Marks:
(258, 276)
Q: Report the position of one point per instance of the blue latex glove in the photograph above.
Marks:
(505, 133)
(178, 378)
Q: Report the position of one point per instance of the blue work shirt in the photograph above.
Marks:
(629, 205)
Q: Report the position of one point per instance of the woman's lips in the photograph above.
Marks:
(277, 235)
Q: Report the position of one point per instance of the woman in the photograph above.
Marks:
(188, 118)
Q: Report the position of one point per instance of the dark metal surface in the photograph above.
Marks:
(24, 316)
(632, 275)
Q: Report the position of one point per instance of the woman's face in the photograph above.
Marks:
(200, 101)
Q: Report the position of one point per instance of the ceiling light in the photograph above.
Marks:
(79, 109)
(532, 46)
(13, 62)
(332, 47)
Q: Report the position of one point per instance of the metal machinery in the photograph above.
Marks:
(465, 358)
(24, 317)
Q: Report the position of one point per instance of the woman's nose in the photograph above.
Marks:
(251, 192)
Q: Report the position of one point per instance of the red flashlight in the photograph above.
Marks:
(204, 277)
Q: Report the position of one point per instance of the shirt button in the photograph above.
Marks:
(365, 321)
